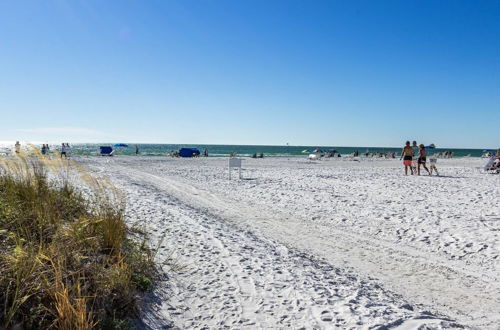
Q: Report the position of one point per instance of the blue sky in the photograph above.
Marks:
(342, 73)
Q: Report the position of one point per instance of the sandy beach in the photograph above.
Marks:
(334, 243)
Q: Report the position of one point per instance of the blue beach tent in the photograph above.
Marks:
(106, 151)
(189, 152)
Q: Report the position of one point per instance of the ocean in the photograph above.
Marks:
(216, 150)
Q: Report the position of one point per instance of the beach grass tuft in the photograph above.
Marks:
(67, 260)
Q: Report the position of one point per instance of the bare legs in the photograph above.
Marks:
(406, 169)
(423, 164)
(434, 168)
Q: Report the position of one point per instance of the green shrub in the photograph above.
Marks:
(66, 261)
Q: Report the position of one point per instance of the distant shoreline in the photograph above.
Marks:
(243, 150)
(10, 143)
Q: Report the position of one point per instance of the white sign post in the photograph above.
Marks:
(235, 162)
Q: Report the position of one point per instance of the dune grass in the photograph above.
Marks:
(66, 259)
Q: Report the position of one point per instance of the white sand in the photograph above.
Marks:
(324, 244)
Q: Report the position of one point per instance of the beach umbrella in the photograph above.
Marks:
(121, 145)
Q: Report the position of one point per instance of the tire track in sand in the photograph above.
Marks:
(237, 279)
(444, 286)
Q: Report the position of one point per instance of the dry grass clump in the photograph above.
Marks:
(66, 261)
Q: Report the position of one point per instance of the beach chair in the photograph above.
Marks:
(315, 156)
(491, 165)
(106, 151)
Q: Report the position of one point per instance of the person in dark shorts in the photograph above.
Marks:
(64, 151)
(407, 156)
(422, 159)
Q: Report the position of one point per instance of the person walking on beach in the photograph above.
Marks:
(414, 163)
(64, 150)
(422, 158)
(17, 147)
(407, 156)
(433, 168)
(136, 150)
(415, 148)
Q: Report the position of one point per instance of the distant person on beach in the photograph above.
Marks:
(497, 159)
(433, 168)
(415, 148)
(407, 156)
(136, 150)
(422, 158)
(17, 147)
(64, 150)
(205, 153)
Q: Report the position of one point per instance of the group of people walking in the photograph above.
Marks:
(410, 151)
(64, 152)
(45, 150)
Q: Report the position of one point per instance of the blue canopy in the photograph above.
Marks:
(106, 151)
(189, 152)
(121, 145)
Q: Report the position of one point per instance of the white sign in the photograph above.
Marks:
(235, 162)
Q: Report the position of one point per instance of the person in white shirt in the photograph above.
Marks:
(64, 150)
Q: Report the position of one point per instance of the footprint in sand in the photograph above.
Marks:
(326, 316)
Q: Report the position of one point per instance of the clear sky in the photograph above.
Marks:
(342, 73)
